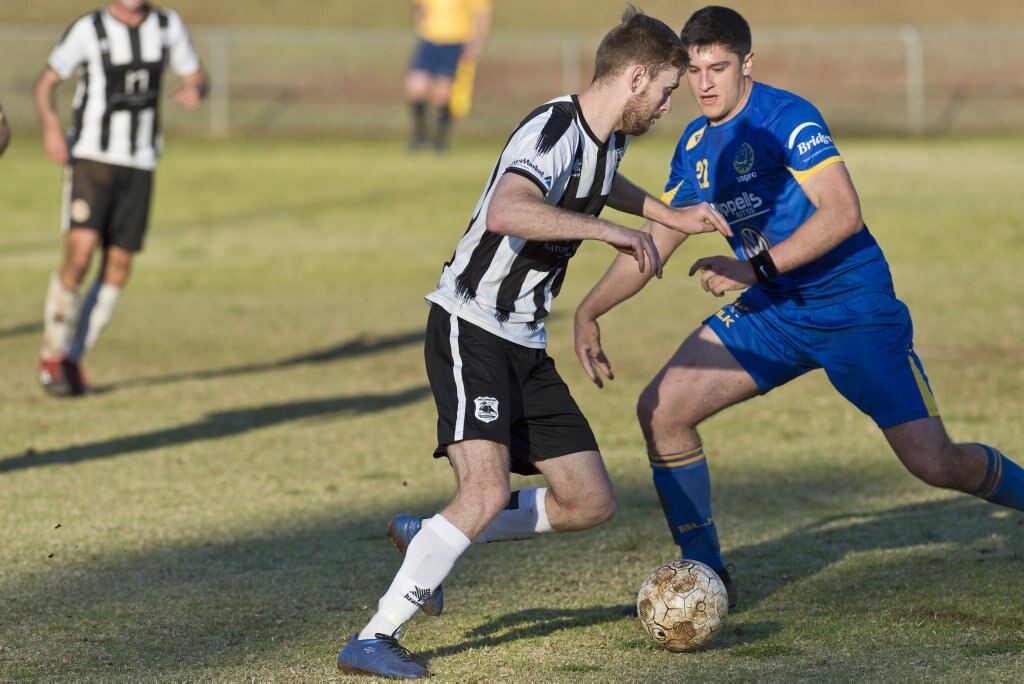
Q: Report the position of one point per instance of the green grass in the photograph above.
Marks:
(216, 510)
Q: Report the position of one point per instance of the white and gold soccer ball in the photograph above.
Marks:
(682, 604)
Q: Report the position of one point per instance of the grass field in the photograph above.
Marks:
(216, 510)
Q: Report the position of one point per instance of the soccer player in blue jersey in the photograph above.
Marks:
(818, 294)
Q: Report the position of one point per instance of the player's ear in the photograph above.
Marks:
(637, 77)
(747, 64)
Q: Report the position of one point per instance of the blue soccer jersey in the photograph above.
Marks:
(751, 168)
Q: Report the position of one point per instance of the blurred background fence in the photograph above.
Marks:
(869, 80)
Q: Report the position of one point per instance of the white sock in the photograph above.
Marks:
(97, 311)
(58, 319)
(428, 560)
(526, 519)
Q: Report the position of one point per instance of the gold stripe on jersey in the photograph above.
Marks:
(669, 195)
(803, 176)
(926, 393)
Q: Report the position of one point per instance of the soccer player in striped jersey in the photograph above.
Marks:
(818, 294)
(110, 152)
(501, 404)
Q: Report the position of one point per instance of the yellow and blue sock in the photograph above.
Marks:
(1004, 481)
(684, 487)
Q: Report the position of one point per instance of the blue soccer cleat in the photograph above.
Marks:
(401, 530)
(382, 656)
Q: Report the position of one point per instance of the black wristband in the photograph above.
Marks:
(764, 267)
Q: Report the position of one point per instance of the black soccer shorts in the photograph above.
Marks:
(112, 200)
(487, 387)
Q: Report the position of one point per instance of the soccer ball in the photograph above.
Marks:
(682, 604)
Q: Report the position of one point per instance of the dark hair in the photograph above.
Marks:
(715, 25)
(639, 39)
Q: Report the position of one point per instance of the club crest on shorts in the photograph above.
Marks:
(486, 409)
(80, 210)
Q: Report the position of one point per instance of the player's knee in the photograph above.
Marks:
(600, 505)
(588, 508)
(645, 407)
(658, 419)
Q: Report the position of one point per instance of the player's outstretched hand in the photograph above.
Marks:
(719, 274)
(588, 349)
(638, 245)
(700, 218)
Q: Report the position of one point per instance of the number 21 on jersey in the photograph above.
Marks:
(702, 173)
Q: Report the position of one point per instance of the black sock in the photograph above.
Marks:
(419, 122)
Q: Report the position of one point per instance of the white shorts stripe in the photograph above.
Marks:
(460, 389)
(65, 213)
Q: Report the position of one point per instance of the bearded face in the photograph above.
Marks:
(640, 112)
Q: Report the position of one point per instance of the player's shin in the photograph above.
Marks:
(1004, 481)
(97, 312)
(524, 517)
(58, 319)
(684, 488)
(428, 560)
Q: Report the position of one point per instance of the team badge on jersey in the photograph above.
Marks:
(486, 409)
(744, 160)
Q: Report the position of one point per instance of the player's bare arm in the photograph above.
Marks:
(518, 209)
(619, 283)
(837, 217)
(54, 145)
(192, 90)
(632, 199)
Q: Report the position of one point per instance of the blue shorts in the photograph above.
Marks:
(865, 345)
(436, 59)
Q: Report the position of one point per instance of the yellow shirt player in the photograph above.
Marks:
(451, 36)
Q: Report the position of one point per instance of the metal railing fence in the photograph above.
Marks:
(870, 80)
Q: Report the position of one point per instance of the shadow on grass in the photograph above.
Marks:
(358, 346)
(217, 425)
(764, 569)
(31, 328)
(289, 592)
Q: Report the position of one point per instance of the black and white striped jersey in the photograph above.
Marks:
(116, 107)
(505, 284)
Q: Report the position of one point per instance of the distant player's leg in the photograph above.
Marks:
(100, 303)
(61, 308)
(442, 75)
(417, 86)
(417, 92)
(481, 473)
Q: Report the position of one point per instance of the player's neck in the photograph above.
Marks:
(601, 110)
(130, 18)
